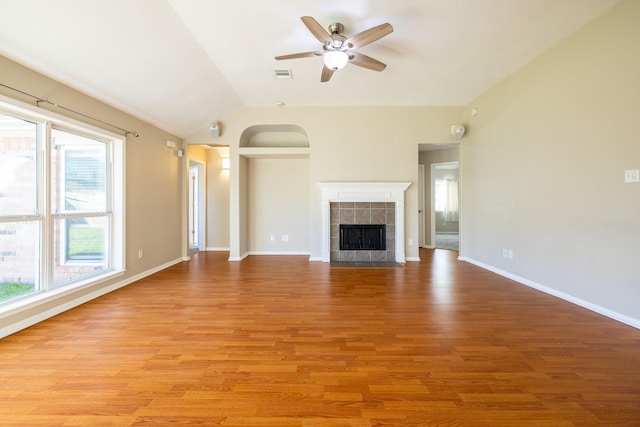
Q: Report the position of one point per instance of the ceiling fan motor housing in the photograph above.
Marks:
(338, 40)
(336, 28)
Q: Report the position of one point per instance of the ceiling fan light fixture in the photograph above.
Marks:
(338, 50)
(335, 59)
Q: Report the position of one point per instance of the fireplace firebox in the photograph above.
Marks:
(365, 237)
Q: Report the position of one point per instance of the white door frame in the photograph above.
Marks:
(421, 206)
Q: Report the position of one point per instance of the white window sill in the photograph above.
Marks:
(42, 297)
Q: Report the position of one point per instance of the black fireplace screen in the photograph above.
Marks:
(367, 237)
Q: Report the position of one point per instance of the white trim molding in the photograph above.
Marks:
(292, 253)
(391, 192)
(631, 321)
(239, 258)
(46, 313)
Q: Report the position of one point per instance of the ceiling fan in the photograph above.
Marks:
(338, 49)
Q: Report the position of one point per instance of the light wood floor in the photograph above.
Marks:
(280, 341)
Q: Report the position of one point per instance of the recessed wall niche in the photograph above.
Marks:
(265, 152)
(282, 135)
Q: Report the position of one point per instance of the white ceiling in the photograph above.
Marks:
(180, 64)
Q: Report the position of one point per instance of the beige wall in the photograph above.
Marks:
(217, 200)
(347, 144)
(545, 161)
(153, 183)
(278, 205)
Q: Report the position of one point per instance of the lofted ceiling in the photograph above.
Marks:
(180, 64)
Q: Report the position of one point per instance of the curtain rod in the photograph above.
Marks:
(46, 101)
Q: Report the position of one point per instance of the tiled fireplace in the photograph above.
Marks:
(363, 203)
(362, 213)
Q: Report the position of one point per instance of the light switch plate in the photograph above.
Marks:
(632, 175)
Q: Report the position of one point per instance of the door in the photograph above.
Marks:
(196, 206)
(421, 205)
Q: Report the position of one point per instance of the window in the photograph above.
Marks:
(21, 226)
(440, 195)
(446, 198)
(61, 203)
(79, 205)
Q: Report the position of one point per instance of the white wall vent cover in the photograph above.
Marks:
(283, 74)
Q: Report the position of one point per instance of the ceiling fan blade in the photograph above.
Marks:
(362, 60)
(316, 29)
(326, 74)
(369, 36)
(299, 55)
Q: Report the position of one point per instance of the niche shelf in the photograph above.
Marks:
(274, 141)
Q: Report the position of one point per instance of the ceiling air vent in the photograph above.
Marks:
(283, 74)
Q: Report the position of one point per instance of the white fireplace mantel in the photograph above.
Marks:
(363, 192)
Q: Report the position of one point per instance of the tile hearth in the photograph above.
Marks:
(366, 264)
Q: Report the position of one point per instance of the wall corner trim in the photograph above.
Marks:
(239, 258)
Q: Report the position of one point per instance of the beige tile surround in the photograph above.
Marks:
(362, 213)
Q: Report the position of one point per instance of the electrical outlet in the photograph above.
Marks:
(285, 237)
(140, 253)
(410, 242)
(510, 254)
(273, 237)
(632, 175)
(505, 253)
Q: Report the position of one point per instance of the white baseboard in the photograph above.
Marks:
(278, 253)
(246, 254)
(315, 259)
(216, 249)
(628, 320)
(412, 258)
(61, 308)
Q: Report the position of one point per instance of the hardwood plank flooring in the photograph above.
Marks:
(280, 341)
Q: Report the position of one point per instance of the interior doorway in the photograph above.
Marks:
(421, 206)
(447, 155)
(196, 206)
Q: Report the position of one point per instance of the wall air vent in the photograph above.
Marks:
(283, 74)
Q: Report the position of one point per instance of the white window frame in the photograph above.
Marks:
(115, 248)
(63, 214)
